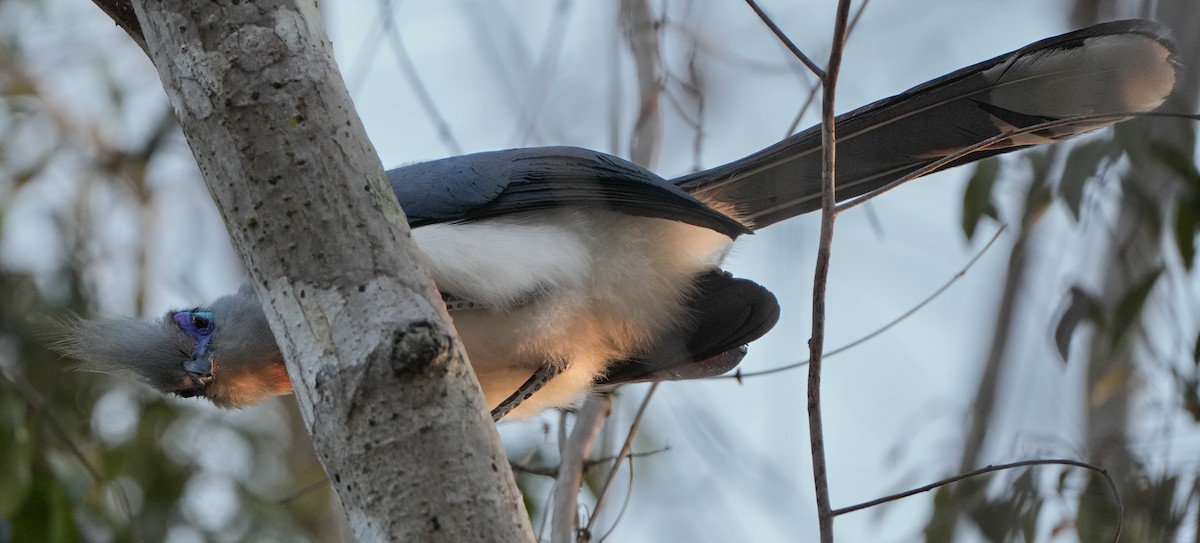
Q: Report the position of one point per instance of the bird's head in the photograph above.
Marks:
(224, 351)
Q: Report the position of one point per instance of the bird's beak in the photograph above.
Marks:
(199, 374)
(201, 367)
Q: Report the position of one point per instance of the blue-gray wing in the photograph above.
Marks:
(498, 183)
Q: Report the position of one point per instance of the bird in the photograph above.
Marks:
(566, 270)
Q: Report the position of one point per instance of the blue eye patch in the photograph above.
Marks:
(196, 324)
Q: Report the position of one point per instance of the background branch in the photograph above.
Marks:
(616, 463)
(786, 41)
(816, 344)
(122, 13)
(573, 455)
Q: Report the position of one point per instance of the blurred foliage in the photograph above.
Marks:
(1158, 506)
(977, 198)
(1134, 190)
(1187, 210)
(83, 457)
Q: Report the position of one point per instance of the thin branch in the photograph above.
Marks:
(414, 78)
(573, 451)
(812, 91)
(624, 503)
(541, 533)
(694, 75)
(642, 33)
(821, 274)
(948, 159)
(614, 88)
(552, 471)
(121, 12)
(534, 103)
(304, 490)
(543, 471)
(787, 42)
(875, 333)
(368, 51)
(1000, 467)
(612, 474)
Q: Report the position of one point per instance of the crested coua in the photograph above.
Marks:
(566, 269)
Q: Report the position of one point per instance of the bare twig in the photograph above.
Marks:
(304, 490)
(534, 102)
(787, 42)
(875, 333)
(368, 51)
(624, 504)
(612, 474)
(414, 78)
(614, 89)
(573, 452)
(552, 471)
(1000, 467)
(121, 12)
(821, 275)
(642, 33)
(543, 471)
(541, 533)
(694, 75)
(812, 92)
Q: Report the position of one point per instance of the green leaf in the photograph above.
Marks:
(947, 505)
(1036, 203)
(16, 456)
(1158, 507)
(1186, 222)
(1097, 516)
(1196, 351)
(1082, 164)
(1039, 163)
(1185, 231)
(46, 516)
(1179, 162)
(1130, 306)
(1082, 308)
(977, 199)
(1189, 396)
(1038, 199)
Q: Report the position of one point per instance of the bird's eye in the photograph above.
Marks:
(201, 322)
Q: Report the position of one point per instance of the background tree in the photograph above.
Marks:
(1124, 314)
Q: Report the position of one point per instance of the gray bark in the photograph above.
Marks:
(384, 386)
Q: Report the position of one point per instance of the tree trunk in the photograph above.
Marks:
(384, 386)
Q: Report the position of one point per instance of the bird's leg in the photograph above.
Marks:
(535, 382)
(540, 377)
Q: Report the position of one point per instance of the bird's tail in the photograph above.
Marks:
(1117, 67)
